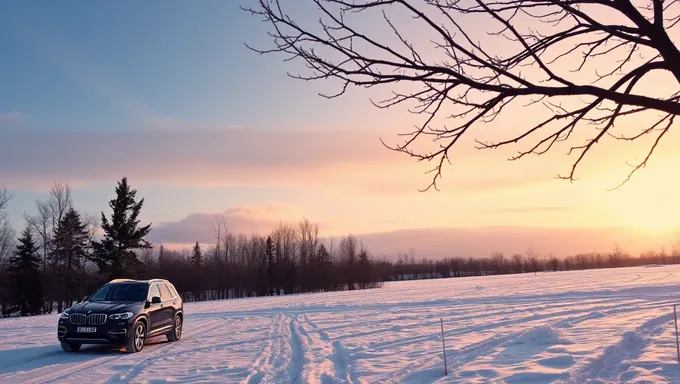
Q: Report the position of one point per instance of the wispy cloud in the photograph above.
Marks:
(529, 209)
(12, 116)
(168, 123)
(185, 157)
(323, 160)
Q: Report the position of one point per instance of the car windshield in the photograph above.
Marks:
(121, 292)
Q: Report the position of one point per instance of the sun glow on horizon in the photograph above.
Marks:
(649, 201)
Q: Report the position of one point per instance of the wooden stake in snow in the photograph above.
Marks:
(446, 369)
(677, 343)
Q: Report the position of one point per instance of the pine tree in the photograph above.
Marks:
(195, 273)
(269, 257)
(324, 268)
(115, 253)
(24, 274)
(70, 250)
(323, 254)
(363, 269)
(197, 256)
(161, 256)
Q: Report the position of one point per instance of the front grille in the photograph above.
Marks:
(96, 319)
(77, 318)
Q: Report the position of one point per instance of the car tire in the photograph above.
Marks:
(70, 347)
(176, 332)
(137, 338)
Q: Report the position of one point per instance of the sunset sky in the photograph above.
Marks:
(168, 95)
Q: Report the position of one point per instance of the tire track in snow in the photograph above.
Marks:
(147, 359)
(615, 359)
(282, 362)
(263, 363)
(317, 365)
(505, 311)
(61, 373)
(342, 360)
(52, 375)
(461, 357)
(562, 316)
(297, 361)
(456, 359)
(33, 358)
(328, 360)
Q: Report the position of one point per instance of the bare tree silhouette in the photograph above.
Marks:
(6, 230)
(529, 52)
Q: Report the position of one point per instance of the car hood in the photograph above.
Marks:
(103, 307)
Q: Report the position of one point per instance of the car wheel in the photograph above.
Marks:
(176, 332)
(137, 338)
(70, 347)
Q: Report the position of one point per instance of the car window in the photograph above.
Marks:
(165, 294)
(172, 289)
(126, 292)
(153, 292)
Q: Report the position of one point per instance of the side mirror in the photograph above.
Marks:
(85, 298)
(155, 300)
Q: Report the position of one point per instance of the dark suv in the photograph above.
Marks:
(123, 312)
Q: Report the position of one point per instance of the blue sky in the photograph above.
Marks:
(76, 71)
(120, 65)
(167, 94)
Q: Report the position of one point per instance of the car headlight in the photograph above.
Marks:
(64, 315)
(121, 316)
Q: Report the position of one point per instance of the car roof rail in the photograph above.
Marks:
(120, 280)
(158, 281)
(140, 281)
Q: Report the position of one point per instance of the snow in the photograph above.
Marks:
(598, 326)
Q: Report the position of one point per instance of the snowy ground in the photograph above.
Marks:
(573, 327)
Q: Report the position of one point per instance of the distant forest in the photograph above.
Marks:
(62, 255)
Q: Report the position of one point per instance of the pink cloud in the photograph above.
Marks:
(12, 116)
(230, 156)
(205, 156)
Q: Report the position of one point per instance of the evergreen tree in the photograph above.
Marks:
(323, 254)
(323, 267)
(196, 271)
(5, 292)
(70, 242)
(269, 257)
(115, 253)
(24, 274)
(161, 256)
(363, 269)
(197, 256)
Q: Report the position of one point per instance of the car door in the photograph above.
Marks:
(176, 298)
(167, 306)
(155, 311)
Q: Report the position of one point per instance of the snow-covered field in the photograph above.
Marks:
(578, 327)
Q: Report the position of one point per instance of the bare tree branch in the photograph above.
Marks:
(478, 80)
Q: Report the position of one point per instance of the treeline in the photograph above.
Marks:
(292, 259)
(408, 268)
(62, 255)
